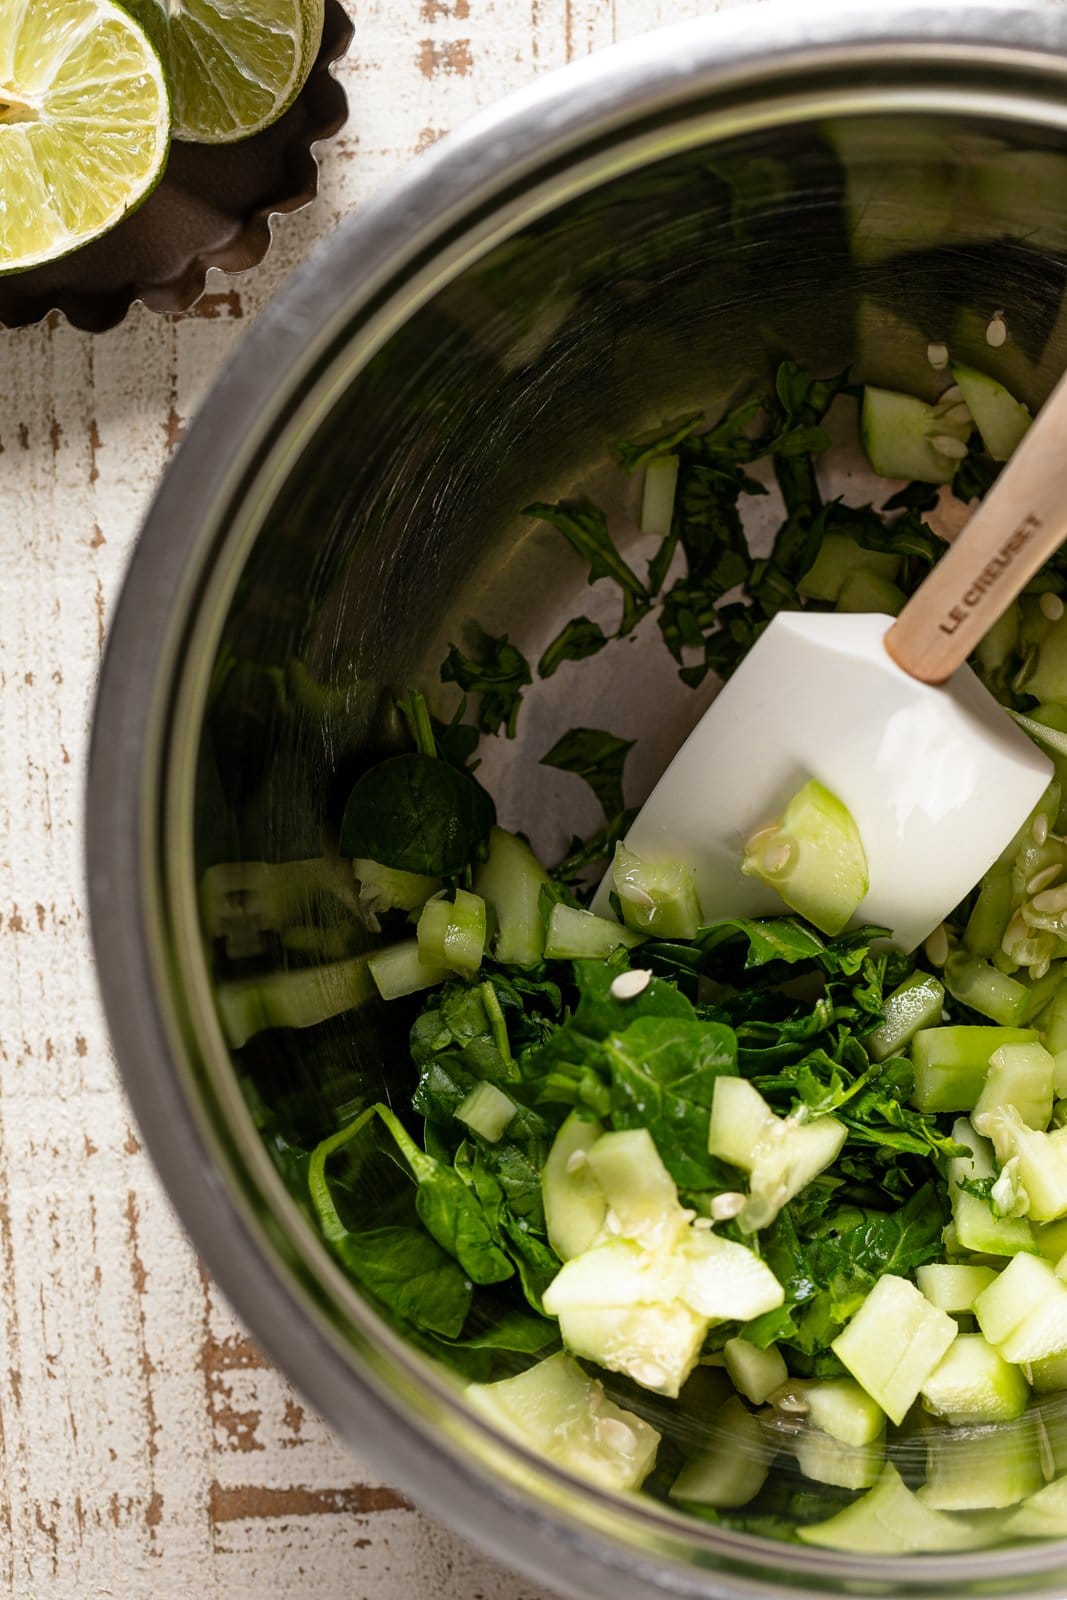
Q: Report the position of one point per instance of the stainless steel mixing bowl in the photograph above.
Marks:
(646, 231)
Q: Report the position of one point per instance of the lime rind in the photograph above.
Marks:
(84, 125)
(233, 68)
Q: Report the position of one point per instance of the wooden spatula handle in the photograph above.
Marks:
(1018, 526)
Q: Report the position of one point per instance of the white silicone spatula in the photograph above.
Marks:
(886, 715)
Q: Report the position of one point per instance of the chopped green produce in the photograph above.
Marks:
(656, 897)
(555, 1408)
(747, 1214)
(813, 857)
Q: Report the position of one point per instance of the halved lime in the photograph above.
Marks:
(84, 125)
(233, 66)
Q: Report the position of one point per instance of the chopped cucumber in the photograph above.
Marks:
(951, 1063)
(866, 591)
(656, 1345)
(574, 935)
(838, 1407)
(452, 934)
(781, 1155)
(657, 500)
(977, 1229)
(1020, 1075)
(893, 1371)
(300, 998)
(987, 921)
(813, 857)
(487, 1110)
(739, 1119)
(999, 417)
(1038, 1163)
(734, 1467)
(510, 882)
(753, 1372)
(641, 1194)
(840, 558)
(973, 1383)
(1048, 680)
(1050, 1240)
(890, 1520)
(725, 1280)
(1053, 1022)
(915, 1004)
(978, 1469)
(953, 1288)
(1049, 1374)
(383, 889)
(827, 1460)
(978, 984)
(555, 1409)
(400, 969)
(1024, 1313)
(616, 1272)
(656, 897)
(1042, 1515)
(899, 433)
(575, 1206)
(241, 900)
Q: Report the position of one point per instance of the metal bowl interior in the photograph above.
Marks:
(645, 236)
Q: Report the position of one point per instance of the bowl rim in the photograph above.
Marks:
(424, 225)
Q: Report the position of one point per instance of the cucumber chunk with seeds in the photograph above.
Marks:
(813, 858)
(574, 1202)
(1020, 1075)
(914, 1004)
(733, 1468)
(1001, 419)
(977, 1229)
(384, 889)
(656, 897)
(890, 1520)
(781, 1155)
(894, 1370)
(554, 1408)
(899, 432)
(1034, 1164)
(641, 1194)
(974, 1384)
(726, 1281)
(656, 1345)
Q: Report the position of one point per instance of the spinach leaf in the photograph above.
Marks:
(408, 1272)
(770, 939)
(446, 1207)
(663, 1072)
(498, 673)
(417, 814)
(585, 527)
(579, 639)
(596, 756)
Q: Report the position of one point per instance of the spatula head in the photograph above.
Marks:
(938, 780)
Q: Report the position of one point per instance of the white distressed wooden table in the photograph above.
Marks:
(147, 1450)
